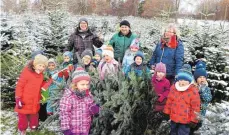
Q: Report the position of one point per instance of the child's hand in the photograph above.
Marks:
(19, 103)
(71, 67)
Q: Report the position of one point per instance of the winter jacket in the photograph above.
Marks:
(172, 58)
(182, 106)
(28, 88)
(162, 88)
(121, 43)
(106, 69)
(75, 112)
(128, 59)
(79, 41)
(206, 97)
(138, 70)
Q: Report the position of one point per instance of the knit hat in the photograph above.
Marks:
(140, 54)
(83, 20)
(51, 61)
(108, 50)
(99, 52)
(124, 22)
(87, 52)
(160, 67)
(40, 59)
(69, 54)
(185, 73)
(200, 70)
(135, 43)
(80, 74)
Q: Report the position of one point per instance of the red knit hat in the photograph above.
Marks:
(160, 67)
(80, 74)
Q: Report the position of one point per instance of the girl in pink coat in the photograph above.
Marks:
(161, 87)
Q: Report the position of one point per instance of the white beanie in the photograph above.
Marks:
(108, 50)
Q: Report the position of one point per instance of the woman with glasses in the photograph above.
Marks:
(170, 51)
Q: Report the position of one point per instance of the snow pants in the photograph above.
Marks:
(27, 119)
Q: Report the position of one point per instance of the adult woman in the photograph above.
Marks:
(82, 39)
(169, 51)
(122, 40)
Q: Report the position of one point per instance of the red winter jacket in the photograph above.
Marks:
(182, 105)
(28, 89)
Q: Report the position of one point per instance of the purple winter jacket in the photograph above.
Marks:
(162, 88)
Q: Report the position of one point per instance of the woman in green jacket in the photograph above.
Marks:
(122, 40)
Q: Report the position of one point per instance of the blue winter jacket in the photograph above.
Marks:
(172, 58)
(206, 97)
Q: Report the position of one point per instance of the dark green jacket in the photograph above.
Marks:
(121, 43)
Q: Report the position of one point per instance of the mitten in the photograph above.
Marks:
(60, 74)
(94, 109)
(19, 103)
(160, 98)
(67, 132)
(65, 73)
(192, 124)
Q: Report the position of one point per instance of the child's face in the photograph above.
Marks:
(107, 58)
(134, 49)
(160, 75)
(66, 59)
(39, 68)
(83, 25)
(97, 57)
(183, 83)
(201, 80)
(51, 66)
(82, 85)
(138, 60)
(86, 60)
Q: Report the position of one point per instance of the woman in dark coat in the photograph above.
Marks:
(82, 39)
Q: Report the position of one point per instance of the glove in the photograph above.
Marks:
(160, 98)
(166, 116)
(71, 67)
(192, 124)
(19, 103)
(67, 132)
(94, 109)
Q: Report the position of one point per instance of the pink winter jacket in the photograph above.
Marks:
(162, 88)
(105, 68)
(75, 113)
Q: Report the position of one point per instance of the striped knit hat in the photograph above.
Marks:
(80, 74)
(185, 73)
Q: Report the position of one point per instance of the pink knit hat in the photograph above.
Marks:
(80, 74)
(160, 67)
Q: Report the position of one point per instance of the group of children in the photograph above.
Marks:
(180, 101)
(184, 100)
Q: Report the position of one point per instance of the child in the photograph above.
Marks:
(138, 67)
(86, 57)
(200, 75)
(108, 65)
(97, 58)
(183, 103)
(27, 93)
(77, 105)
(130, 53)
(161, 87)
(66, 66)
(51, 71)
